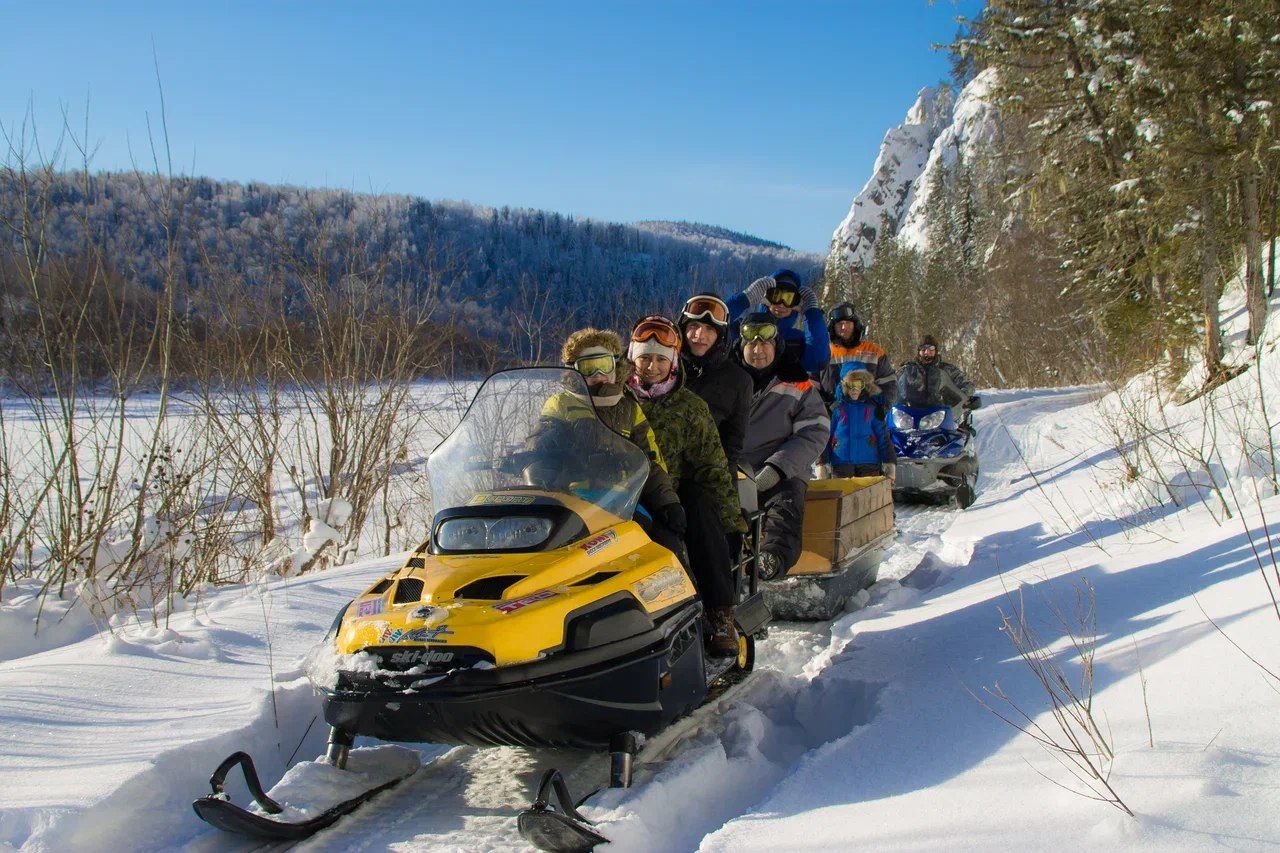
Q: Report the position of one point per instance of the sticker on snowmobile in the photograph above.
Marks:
(501, 500)
(518, 603)
(369, 608)
(599, 542)
(437, 634)
(665, 583)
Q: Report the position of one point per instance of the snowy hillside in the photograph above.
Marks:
(1157, 516)
(939, 130)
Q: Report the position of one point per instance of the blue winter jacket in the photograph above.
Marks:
(858, 437)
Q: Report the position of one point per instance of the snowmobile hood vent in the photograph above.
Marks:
(598, 577)
(489, 589)
(408, 591)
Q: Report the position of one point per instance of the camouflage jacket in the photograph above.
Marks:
(691, 447)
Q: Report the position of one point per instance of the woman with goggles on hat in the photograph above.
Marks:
(597, 355)
(711, 371)
(786, 434)
(795, 311)
(696, 463)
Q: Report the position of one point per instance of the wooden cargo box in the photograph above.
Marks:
(843, 515)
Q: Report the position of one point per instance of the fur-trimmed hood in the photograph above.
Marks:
(584, 339)
(869, 386)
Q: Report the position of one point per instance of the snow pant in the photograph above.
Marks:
(862, 469)
(783, 507)
(710, 562)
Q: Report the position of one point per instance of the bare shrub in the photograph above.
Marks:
(1077, 740)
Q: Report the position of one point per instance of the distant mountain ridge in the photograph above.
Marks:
(494, 266)
(713, 234)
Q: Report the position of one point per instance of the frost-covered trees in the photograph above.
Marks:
(1153, 136)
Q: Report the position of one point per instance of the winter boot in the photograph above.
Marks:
(724, 636)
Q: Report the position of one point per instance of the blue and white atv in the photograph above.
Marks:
(937, 460)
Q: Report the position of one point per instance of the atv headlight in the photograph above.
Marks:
(902, 420)
(464, 534)
(933, 421)
(519, 532)
(493, 534)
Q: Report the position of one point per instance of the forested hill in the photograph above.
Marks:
(489, 268)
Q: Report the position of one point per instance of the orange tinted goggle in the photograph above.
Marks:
(704, 308)
(781, 296)
(660, 330)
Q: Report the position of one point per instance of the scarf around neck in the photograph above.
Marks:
(653, 391)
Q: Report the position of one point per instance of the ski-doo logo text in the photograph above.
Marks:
(599, 542)
(438, 634)
(500, 500)
(423, 656)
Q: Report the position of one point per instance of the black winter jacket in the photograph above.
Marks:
(726, 388)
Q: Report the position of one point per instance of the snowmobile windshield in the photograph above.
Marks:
(535, 428)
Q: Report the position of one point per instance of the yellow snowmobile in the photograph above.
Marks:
(538, 613)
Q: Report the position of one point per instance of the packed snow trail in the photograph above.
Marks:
(735, 752)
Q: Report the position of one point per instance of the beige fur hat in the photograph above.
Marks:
(868, 381)
(585, 339)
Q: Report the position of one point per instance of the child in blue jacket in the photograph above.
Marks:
(860, 444)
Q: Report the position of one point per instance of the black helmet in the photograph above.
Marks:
(840, 313)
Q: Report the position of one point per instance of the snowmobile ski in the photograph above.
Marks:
(217, 810)
(561, 829)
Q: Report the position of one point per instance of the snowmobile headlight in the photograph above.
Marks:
(933, 421)
(902, 420)
(515, 533)
(519, 532)
(464, 534)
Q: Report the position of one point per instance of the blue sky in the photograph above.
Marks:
(759, 116)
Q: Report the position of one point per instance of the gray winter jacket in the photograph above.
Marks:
(789, 426)
(935, 384)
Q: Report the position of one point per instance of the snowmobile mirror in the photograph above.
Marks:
(975, 402)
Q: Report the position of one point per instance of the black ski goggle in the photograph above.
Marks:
(781, 296)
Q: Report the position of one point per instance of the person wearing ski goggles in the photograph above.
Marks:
(928, 381)
(713, 373)
(696, 463)
(787, 431)
(852, 350)
(795, 309)
(596, 354)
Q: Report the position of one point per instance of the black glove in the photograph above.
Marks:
(673, 518)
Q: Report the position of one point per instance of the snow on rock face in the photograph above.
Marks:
(972, 130)
(938, 130)
(888, 193)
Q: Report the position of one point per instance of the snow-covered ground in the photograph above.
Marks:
(863, 733)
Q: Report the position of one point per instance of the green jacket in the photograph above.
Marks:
(622, 414)
(690, 445)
